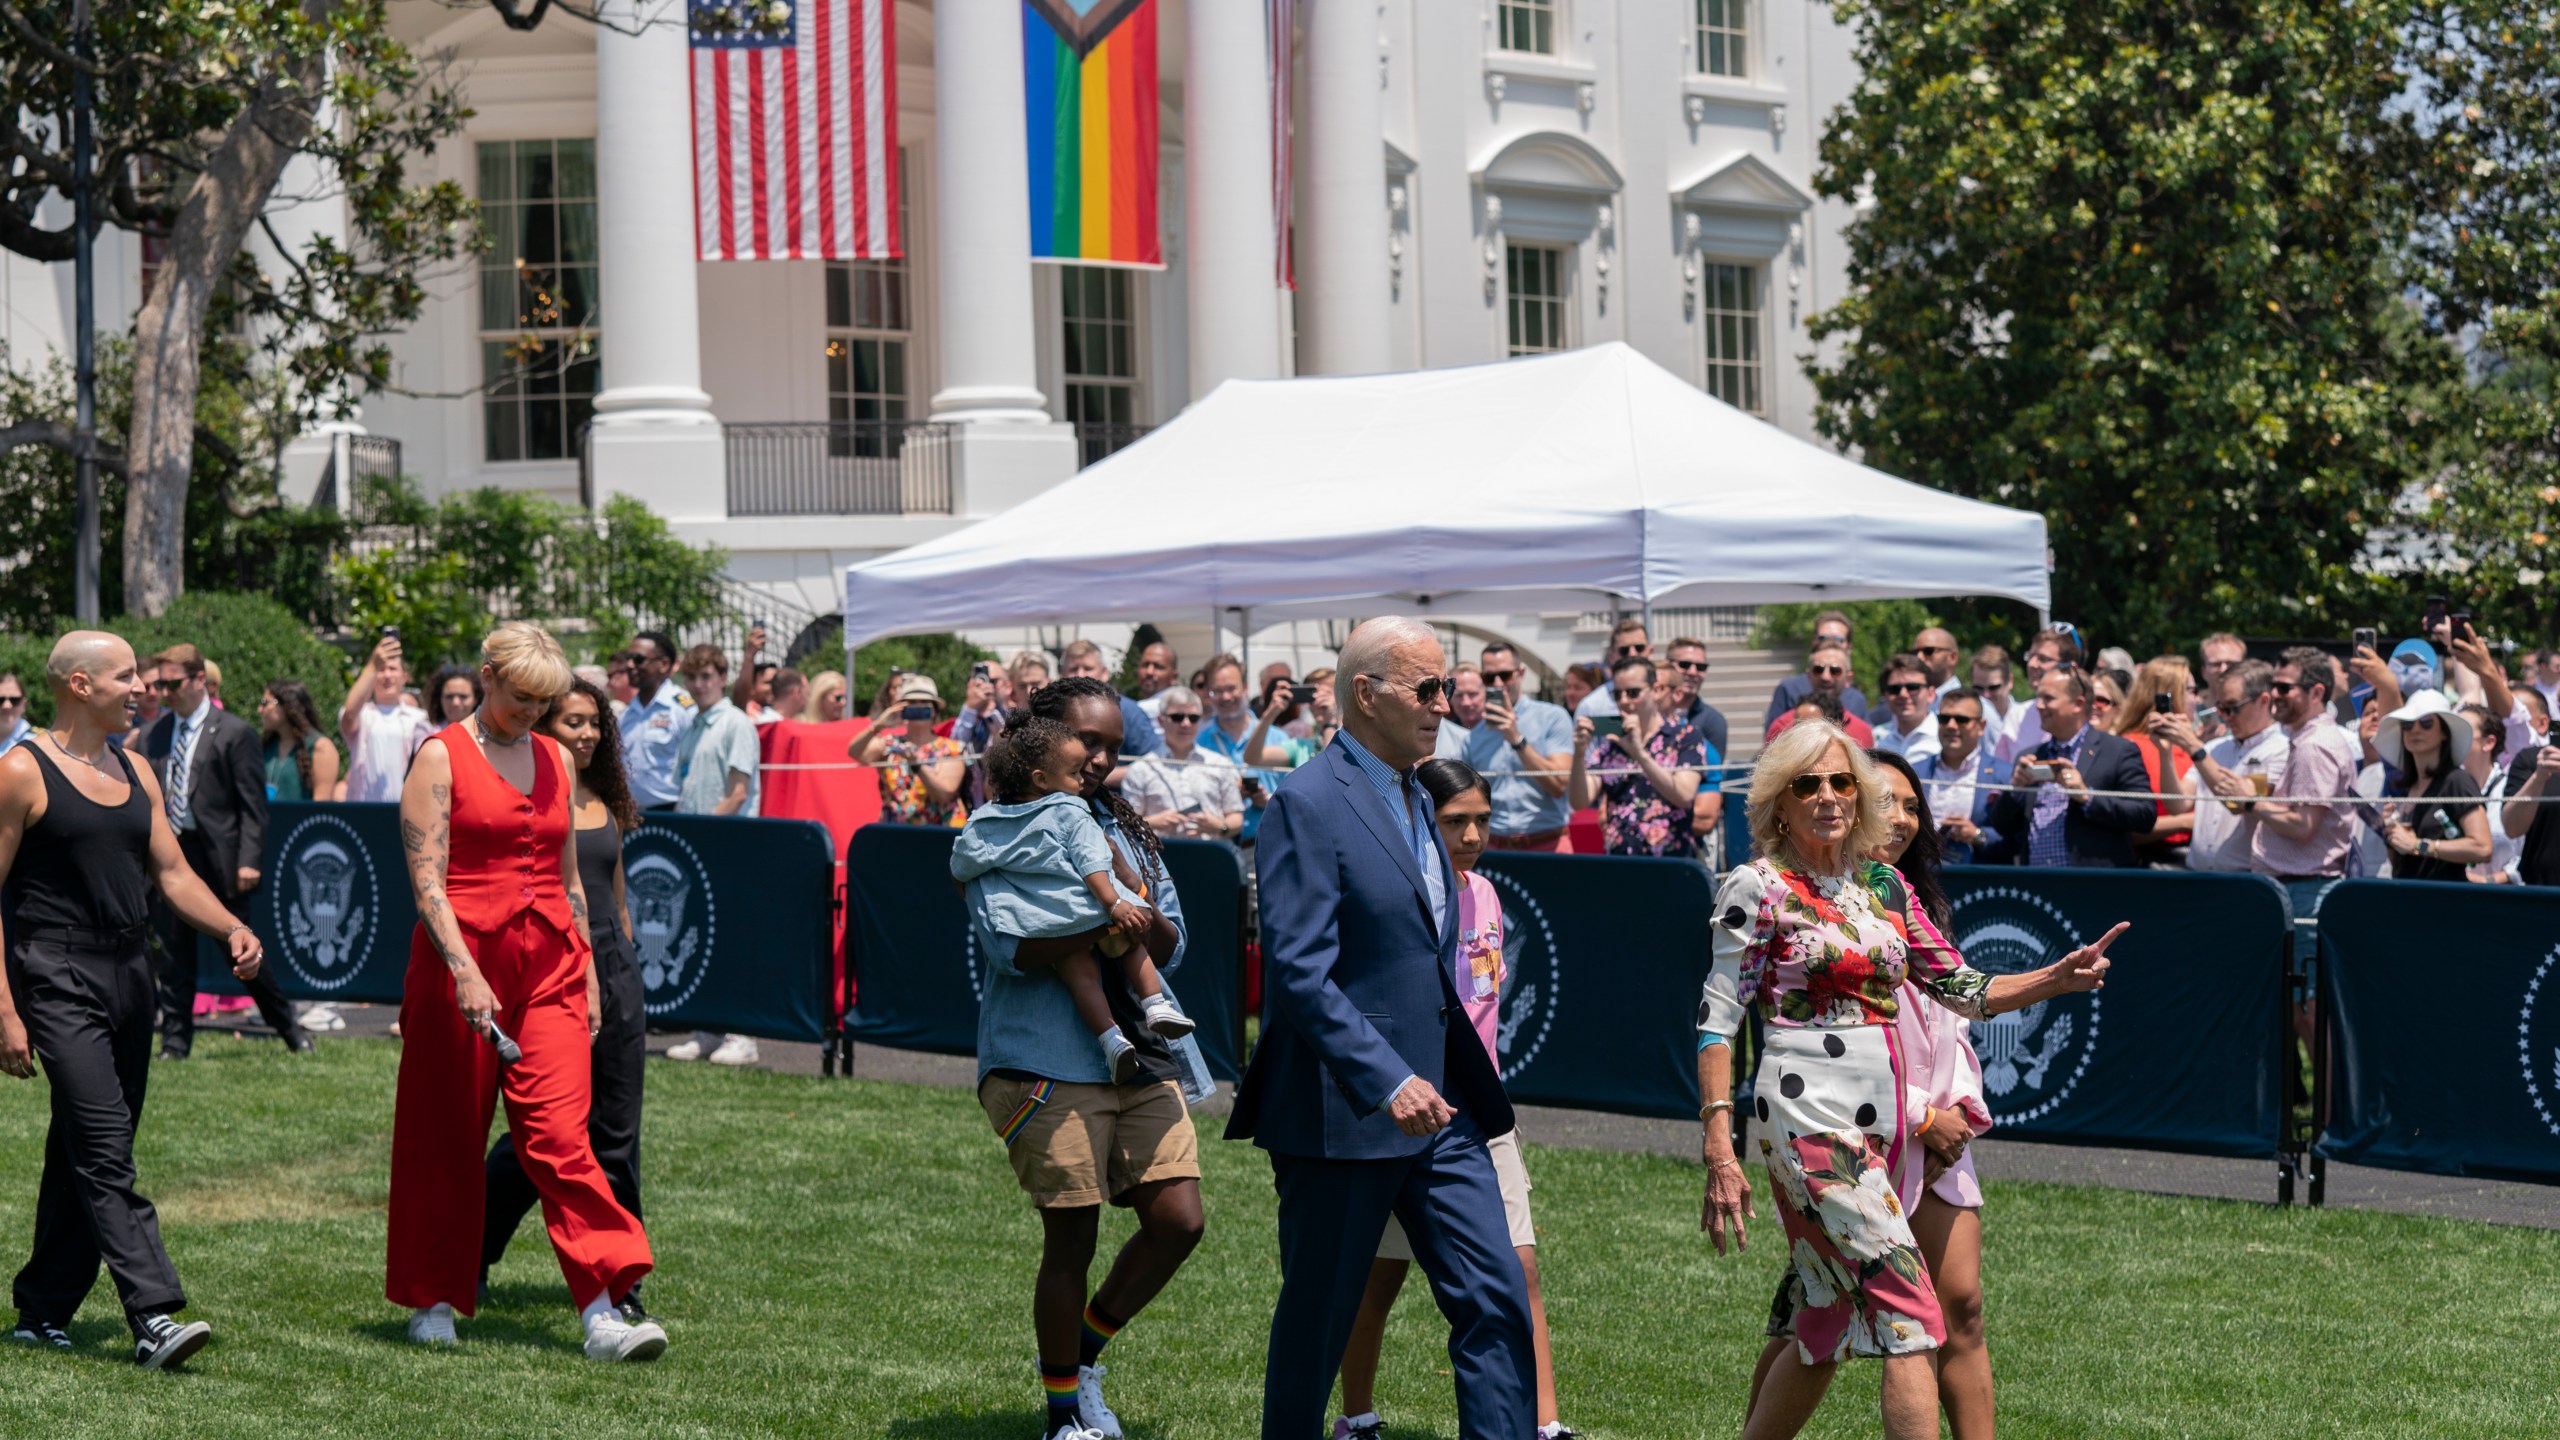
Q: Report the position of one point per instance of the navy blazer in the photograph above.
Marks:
(226, 790)
(1359, 987)
(2100, 832)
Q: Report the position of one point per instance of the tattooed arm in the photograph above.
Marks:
(426, 842)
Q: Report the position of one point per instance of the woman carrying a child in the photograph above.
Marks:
(1077, 1133)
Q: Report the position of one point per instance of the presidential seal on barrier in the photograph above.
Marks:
(2031, 1057)
(672, 916)
(2538, 1042)
(1530, 979)
(328, 901)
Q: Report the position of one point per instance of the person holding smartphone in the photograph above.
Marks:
(1185, 792)
(1648, 806)
(921, 773)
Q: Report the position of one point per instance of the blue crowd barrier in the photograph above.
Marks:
(918, 974)
(2459, 1075)
(1605, 958)
(732, 919)
(2184, 1049)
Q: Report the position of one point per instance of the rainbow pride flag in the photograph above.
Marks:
(1089, 91)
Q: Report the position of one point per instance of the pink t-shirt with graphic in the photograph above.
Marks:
(1480, 957)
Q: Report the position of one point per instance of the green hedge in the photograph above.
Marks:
(252, 638)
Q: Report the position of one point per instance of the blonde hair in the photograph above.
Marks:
(525, 656)
(2159, 675)
(1799, 748)
(822, 685)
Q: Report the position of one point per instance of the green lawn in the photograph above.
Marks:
(851, 1258)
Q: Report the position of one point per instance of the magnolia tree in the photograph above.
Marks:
(201, 106)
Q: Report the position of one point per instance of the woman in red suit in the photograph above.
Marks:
(499, 964)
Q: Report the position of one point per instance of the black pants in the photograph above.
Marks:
(178, 942)
(613, 1110)
(85, 997)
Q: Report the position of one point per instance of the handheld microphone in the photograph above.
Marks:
(509, 1052)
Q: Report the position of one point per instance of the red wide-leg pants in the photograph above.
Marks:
(449, 1081)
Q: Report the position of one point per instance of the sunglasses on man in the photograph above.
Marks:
(1179, 717)
(13, 699)
(1630, 651)
(1499, 677)
(1946, 718)
(1694, 667)
(1636, 693)
(1826, 669)
(1909, 688)
(168, 687)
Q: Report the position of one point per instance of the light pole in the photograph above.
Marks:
(84, 311)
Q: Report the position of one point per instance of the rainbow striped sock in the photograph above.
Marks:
(1058, 1382)
(1099, 1327)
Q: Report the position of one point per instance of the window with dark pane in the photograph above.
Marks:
(1097, 307)
(1722, 29)
(538, 296)
(868, 333)
(1529, 26)
(1536, 299)
(1730, 314)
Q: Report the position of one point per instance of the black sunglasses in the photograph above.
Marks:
(2281, 687)
(1499, 677)
(168, 687)
(1694, 667)
(1635, 694)
(1907, 688)
(1426, 690)
(1951, 719)
(1937, 650)
(1626, 651)
(1178, 717)
(1826, 669)
(13, 699)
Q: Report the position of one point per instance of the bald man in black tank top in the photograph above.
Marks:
(84, 840)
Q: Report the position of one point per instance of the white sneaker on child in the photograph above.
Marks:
(737, 1050)
(1122, 1054)
(1166, 1018)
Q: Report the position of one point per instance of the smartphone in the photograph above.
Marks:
(2435, 615)
(758, 622)
(2163, 703)
(390, 632)
(1302, 694)
(1608, 725)
(915, 712)
(2369, 638)
(2039, 772)
(2461, 625)
(984, 670)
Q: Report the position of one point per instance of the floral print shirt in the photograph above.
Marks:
(1827, 952)
(1635, 818)
(903, 798)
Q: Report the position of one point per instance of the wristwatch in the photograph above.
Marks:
(2196, 755)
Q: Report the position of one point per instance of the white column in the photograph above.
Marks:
(1009, 448)
(309, 204)
(655, 438)
(1232, 257)
(1342, 230)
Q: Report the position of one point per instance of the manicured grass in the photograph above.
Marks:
(851, 1258)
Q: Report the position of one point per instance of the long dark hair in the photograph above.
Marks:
(603, 774)
(1445, 780)
(303, 718)
(1922, 857)
(470, 674)
(1052, 703)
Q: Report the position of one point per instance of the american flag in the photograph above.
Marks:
(795, 129)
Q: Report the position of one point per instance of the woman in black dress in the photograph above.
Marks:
(602, 812)
(2425, 742)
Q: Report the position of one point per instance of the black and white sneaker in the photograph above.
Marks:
(632, 1312)
(160, 1343)
(41, 1332)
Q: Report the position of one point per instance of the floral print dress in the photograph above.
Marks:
(1822, 960)
(904, 800)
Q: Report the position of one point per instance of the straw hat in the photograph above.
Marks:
(2457, 729)
(913, 687)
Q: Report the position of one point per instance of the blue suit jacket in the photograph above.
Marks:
(1358, 983)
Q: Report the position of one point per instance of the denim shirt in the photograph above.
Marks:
(1028, 1022)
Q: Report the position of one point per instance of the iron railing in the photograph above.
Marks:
(1098, 438)
(839, 467)
(369, 457)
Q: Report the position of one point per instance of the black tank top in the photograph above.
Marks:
(84, 864)
(599, 853)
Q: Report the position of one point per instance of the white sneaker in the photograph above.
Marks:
(686, 1049)
(1121, 1055)
(321, 1015)
(611, 1338)
(737, 1050)
(1098, 1418)
(1166, 1018)
(433, 1326)
(1072, 1431)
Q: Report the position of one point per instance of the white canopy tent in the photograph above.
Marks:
(1540, 483)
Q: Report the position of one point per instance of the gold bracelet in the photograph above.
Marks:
(1713, 1106)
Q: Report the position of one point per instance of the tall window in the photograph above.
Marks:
(869, 325)
(1721, 32)
(538, 296)
(1529, 26)
(1099, 307)
(1537, 315)
(1731, 311)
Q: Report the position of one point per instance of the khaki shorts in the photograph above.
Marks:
(1509, 1172)
(1075, 1145)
